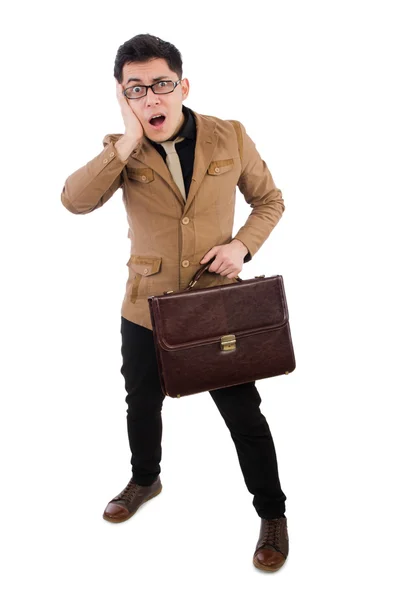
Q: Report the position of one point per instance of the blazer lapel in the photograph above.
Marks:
(206, 139)
(149, 156)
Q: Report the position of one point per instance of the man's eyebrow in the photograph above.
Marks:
(154, 78)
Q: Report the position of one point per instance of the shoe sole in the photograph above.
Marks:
(122, 519)
(263, 567)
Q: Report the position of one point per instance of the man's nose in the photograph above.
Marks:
(151, 97)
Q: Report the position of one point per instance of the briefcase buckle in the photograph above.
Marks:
(228, 342)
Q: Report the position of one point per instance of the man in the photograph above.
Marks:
(178, 171)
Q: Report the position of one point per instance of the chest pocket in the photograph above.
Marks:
(144, 174)
(217, 167)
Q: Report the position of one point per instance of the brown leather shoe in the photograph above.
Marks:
(125, 504)
(273, 545)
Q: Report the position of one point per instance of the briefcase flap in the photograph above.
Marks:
(202, 316)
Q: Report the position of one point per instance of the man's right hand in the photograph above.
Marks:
(133, 127)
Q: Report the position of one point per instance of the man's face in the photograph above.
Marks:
(170, 105)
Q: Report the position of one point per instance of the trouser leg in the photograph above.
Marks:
(144, 401)
(239, 407)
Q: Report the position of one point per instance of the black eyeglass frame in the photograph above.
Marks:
(175, 83)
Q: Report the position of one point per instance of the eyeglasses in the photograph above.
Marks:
(160, 87)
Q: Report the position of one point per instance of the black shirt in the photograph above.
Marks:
(185, 148)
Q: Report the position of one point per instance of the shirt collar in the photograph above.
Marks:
(189, 127)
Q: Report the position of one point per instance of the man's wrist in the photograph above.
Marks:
(241, 244)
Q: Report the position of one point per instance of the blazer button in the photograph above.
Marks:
(145, 270)
(105, 160)
(217, 169)
(185, 220)
(185, 263)
(144, 177)
(111, 154)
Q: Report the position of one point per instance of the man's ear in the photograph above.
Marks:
(185, 88)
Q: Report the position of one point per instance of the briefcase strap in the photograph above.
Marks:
(198, 274)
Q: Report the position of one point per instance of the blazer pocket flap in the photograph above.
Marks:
(145, 265)
(144, 174)
(217, 167)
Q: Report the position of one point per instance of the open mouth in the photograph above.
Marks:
(157, 121)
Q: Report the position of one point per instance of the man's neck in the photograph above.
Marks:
(180, 128)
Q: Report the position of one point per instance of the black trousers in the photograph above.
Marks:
(238, 405)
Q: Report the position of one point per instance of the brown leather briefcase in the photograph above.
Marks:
(221, 336)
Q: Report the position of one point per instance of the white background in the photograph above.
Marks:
(313, 83)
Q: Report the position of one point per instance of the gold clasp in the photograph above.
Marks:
(228, 342)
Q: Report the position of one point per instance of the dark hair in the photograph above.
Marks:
(144, 47)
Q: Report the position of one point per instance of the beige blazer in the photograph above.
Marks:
(168, 236)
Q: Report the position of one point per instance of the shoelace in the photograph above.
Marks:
(128, 492)
(271, 534)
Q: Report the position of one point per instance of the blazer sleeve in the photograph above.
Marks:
(258, 188)
(93, 184)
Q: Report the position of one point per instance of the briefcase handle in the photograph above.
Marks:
(200, 271)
